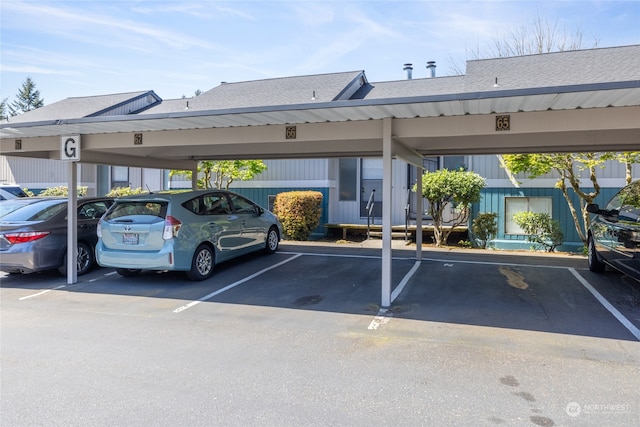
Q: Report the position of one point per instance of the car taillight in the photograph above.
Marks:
(171, 227)
(99, 229)
(30, 236)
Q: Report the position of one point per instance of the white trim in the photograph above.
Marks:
(551, 182)
(319, 183)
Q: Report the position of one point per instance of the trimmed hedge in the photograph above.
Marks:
(124, 191)
(299, 212)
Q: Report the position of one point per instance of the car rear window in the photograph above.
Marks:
(128, 209)
(36, 211)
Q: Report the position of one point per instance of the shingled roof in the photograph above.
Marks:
(580, 67)
(88, 106)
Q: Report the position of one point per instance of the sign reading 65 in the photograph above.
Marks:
(503, 123)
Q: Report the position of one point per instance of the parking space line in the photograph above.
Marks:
(606, 304)
(382, 318)
(324, 254)
(233, 285)
(42, 293)
(404, 281)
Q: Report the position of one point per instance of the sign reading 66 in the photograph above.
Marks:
(503, 123)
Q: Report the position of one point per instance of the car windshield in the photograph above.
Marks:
(15, 190)
(39, 211)
(125, 210)
(630, 209)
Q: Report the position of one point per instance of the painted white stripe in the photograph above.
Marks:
(404, 281)
(446, 261)
(510, 264)
(606, 304)
(42, 293)
(381, 319)
(334, 255)
(233, 285)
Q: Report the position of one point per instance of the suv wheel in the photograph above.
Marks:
(595, 264)
(202, 264)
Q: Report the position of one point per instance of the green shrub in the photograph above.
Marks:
(541, 229)
(465, 244)
(124, 191)
(485, 227)
(299, 212)
(62, 191)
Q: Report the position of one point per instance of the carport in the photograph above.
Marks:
(497, 115)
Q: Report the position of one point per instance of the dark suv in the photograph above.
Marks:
(614, 236)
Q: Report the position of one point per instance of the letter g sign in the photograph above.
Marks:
(70, 148)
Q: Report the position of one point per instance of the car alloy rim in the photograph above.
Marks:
(203, 262)
(273, 240)
(83, 259)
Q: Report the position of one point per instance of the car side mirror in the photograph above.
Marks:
(594, 208)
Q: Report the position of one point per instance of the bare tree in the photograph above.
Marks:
(538, 36)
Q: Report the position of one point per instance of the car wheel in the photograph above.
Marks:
(202, 264)
(272, 241)
(84, 261)
(128, 272)
(595, 264)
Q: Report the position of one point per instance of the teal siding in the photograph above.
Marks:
(493, 201)
(261, 197)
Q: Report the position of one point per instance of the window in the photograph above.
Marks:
(92, 210)
(371, 186)
(348, 180)
(514, 205)
(454, 163)
(213, 204)
(242, 205)
(119, 176)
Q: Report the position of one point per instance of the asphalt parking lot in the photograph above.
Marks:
(298, 338)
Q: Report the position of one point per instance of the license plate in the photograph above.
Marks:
(130, 239)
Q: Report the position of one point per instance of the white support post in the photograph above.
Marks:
(72, 223)
(387, 189)
(194, 179)
(419, 209)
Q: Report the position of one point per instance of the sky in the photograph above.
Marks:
(94, 47)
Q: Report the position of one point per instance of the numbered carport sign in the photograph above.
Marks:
(70, 148)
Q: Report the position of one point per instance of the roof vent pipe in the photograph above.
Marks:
(408, 68)
(431, 67)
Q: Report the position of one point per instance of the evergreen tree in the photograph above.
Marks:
(27, 98)
(3, 109)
